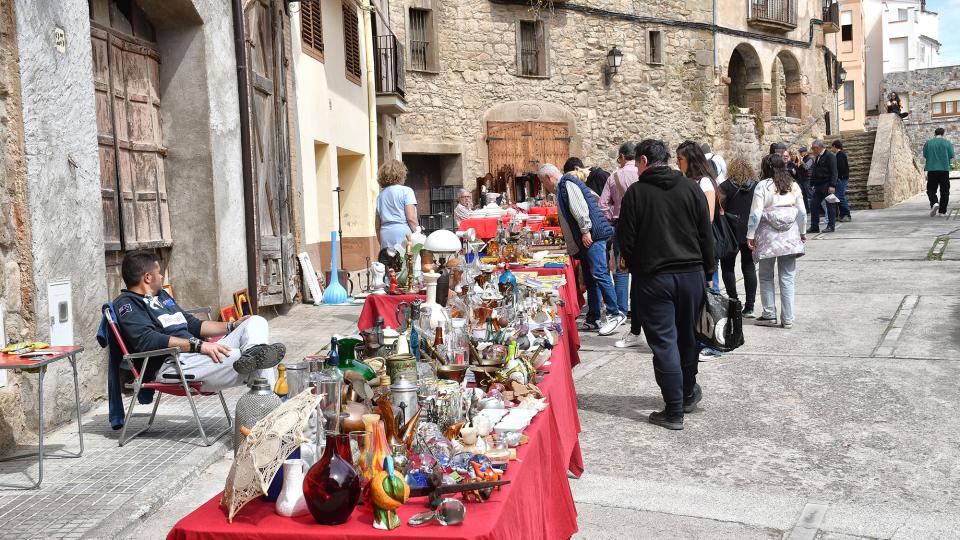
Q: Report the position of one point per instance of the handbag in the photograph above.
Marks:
(724, 239)
(720, 325)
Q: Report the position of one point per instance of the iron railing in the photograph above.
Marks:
(774, 12)
(388, 65)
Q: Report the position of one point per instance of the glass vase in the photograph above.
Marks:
(332, 486)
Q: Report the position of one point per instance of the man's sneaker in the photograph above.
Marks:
(260, 356)
(588, 326)
(787, 325)
(831, 229)
(811, 230)
(763, 320)
(628, 340)
(612, 324)
(748, 313)
(934, 209)
(660, 418)
(690, 402)
(845, 219)
(708, 354)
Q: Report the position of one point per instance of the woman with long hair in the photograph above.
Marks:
(693, 164)
(737, 196)
(894, 106)
(775, 233)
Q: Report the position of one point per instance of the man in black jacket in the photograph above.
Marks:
(824, 183)
(149, 319)
(665, 234)
(843, 180)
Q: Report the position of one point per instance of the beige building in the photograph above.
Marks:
(348, 97)
(493, 85)
(851, 51)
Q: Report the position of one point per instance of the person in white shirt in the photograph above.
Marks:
(718, 162)
(464, 206)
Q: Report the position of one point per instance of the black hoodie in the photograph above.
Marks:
(664, 225)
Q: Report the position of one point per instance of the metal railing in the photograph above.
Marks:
(388, 65)
(779, 12)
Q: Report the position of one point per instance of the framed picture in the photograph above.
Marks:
(229, 313)
(242, 301)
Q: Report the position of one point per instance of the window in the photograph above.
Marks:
(901, 15)
(655, 47)
(846, 26)
(421, 25)
(849, 101)
(311, 29)
(531, 49)
(946, 103)
(351, 41)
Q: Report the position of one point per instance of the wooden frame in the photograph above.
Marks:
(943, 108)
(351, 43)
(311, 29)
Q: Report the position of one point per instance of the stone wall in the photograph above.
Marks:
(16, 294)
(894, 177)
(685, 97)
(919, 86)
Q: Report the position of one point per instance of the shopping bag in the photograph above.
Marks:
(720, 325)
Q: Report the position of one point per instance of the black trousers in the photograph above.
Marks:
(819, 194)
(939, 180)
(749, 270)
(671, 305)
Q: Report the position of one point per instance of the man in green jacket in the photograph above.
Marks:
(938, 152)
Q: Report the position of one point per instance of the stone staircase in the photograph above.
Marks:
(859, 149)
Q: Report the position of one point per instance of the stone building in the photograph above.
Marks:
(934, 96)
(494, 83)
(123, 127)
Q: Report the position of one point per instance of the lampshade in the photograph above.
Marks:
(614, 57)
(442, 241)
(842, 75)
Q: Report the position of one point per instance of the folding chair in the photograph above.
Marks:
(188, 388)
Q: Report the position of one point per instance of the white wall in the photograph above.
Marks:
(902, 39)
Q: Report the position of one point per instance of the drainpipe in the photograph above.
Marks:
(250, 226)
(371, 88)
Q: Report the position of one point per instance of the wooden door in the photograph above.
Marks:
(525, 146)
(126, 73)
(270, 161)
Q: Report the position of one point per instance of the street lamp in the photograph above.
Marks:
(841, 75)
(614, 59)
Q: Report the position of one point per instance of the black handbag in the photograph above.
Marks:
(724, 239)
(720, 325)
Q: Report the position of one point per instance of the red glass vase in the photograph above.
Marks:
(332, 486)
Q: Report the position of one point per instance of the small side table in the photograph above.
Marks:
(12, 361)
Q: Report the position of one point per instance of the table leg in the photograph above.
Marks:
(76, 393)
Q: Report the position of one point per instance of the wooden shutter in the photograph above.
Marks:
(130, 138)
(271, 170)
(311, 28)
(351, 41)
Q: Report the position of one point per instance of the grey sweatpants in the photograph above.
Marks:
(216, 377)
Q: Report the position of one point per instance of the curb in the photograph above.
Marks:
(153, 495)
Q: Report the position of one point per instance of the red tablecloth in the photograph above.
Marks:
(486, 228)
(537, 504)
(383, 305)
(543, 210)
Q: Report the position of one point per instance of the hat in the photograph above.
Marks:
(802, 149)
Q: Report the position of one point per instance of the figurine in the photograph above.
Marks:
(393, 282)
(377, 270)
(388, 491)
(470, 442)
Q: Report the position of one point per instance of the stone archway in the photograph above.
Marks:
(787, 95)
(747, 86)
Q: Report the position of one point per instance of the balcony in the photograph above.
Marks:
(831, 18)
(773, 15)
(389, 75)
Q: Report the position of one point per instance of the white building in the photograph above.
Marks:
(902, 35)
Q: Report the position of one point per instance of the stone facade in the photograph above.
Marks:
(892, 179)
(683, 97)
(918, 89)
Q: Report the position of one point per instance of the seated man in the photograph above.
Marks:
(149, 319)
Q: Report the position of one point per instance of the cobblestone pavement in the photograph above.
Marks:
(110, 487)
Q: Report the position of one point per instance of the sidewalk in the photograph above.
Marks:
(111, 488)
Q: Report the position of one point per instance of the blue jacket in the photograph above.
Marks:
(600, 228)
(114, 386)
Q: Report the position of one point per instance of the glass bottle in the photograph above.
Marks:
(489, 336)
(438, 339)
(281, 389)
(332, 486)
(332, 365)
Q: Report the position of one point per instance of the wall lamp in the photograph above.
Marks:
(614, 59)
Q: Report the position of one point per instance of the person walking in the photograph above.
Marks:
(843, 180)
(736, 195)
(610, 199)
(586, 232)
(396, 205)
(824, 179)
(667, 240)
(938, 153)
(775, 235)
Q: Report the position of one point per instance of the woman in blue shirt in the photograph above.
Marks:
(396, 205)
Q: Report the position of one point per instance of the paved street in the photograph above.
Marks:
(844, 427)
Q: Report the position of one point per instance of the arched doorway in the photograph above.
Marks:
(746, 78)
(787, 89)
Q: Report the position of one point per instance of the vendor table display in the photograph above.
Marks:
(455, 421)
